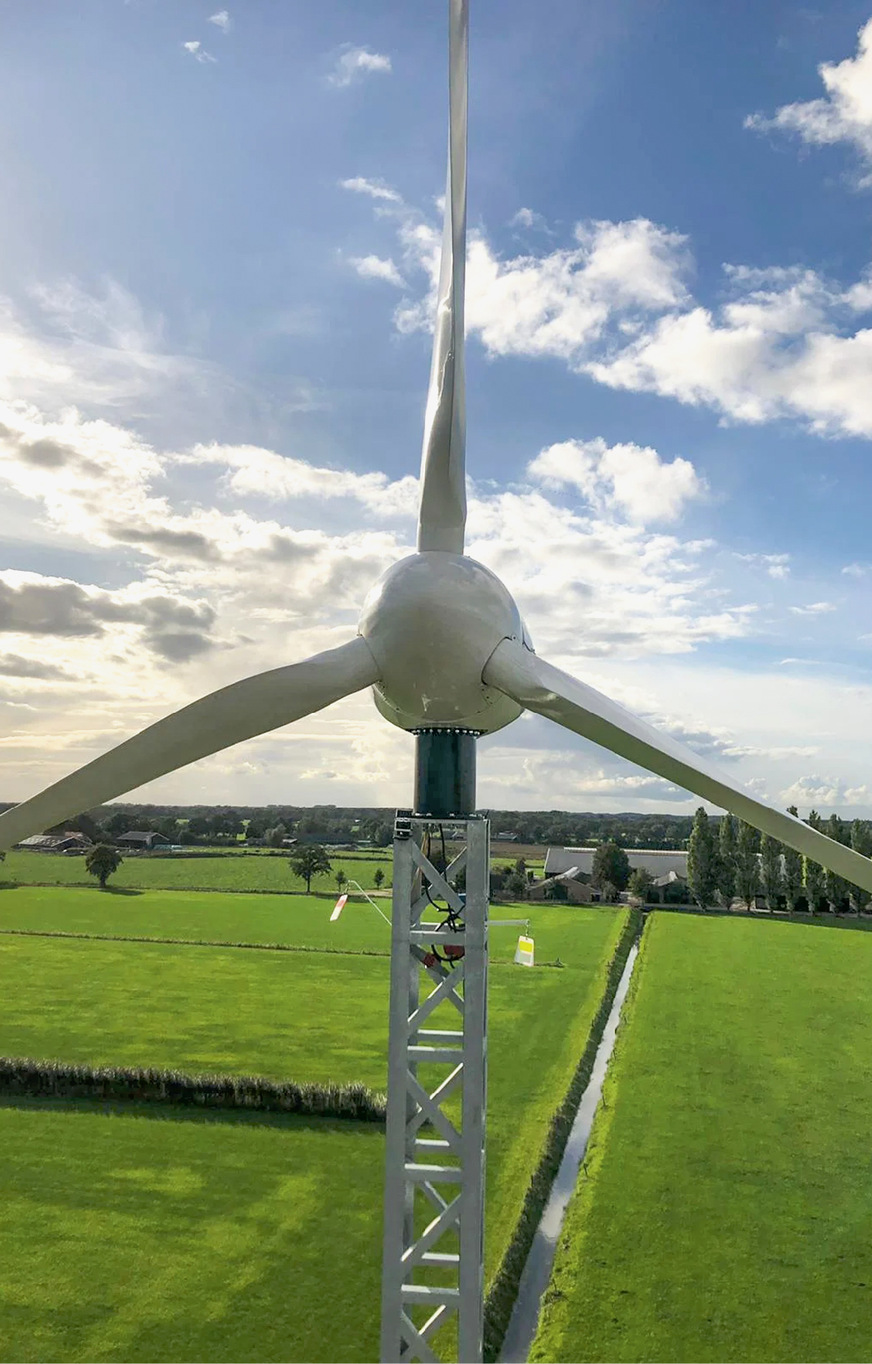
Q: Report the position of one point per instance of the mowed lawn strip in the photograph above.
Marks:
(728, 1209)
(172, 1236)
(285, 1015)
(297, 920)
(308, 1017)
(225, 870)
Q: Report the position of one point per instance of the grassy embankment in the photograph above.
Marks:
(727, 1212)
(289, 1015)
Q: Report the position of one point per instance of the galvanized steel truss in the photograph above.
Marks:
(434, 1180)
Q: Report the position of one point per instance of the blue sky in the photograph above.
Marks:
(217, 238)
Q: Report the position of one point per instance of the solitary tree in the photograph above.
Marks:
(341, 880)
(515, 885)
(861, 842)
(747, 863)
(610, 864)
(702, 861)
(640, 883)
(378, 878)
(309, 860)
(792, 877)
(101, 861)
(727, 859)
(770, 870)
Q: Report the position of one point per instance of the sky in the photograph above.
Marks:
(219, 234)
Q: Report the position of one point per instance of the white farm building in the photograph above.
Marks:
(659, 863)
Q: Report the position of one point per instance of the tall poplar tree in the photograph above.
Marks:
(838, 890)
(727, 859)
(747, 863)
(861, 842)
(813, 874)
(770, 870)
(702, 861)
(792, 876)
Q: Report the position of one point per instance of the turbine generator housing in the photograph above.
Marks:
(432, 622)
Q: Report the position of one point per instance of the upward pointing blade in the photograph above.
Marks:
(442, 513)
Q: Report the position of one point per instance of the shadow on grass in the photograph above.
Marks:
(163, 1112)
(121, 890)
(9, 885)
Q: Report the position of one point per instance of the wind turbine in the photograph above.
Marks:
(440, 639)
(441, 642)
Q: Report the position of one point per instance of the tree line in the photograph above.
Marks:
(202, 824)
(732, 859)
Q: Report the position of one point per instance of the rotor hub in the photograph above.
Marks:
(432, 622)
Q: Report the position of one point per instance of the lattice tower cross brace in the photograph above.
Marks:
(442, 1173)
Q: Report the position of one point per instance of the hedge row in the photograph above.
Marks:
(504, 1289)
(29, 1078)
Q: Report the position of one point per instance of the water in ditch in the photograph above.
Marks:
(537, 1270)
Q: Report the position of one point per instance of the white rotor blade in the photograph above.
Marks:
(540, 687)
(226, 717)
(442, 513)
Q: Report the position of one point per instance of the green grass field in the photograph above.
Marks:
(728, 1209)
(559, 931)
(134, 1235)
(222, 869)
(304, 1016)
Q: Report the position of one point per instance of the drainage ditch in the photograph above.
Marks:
(537, 1270)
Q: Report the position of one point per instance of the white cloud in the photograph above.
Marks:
(530, 221)
(198, 52)
(825, 792)
(772, 351)
(814, 608)
(221, 20)
(374, 267)
(560, 303)
(844, 114)
(630, 479)
(615, 306)
(263, 473)
(95, 347)
(776, 565)
(355, 63)
(376, 189)
(594, 586)
(857, 570)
